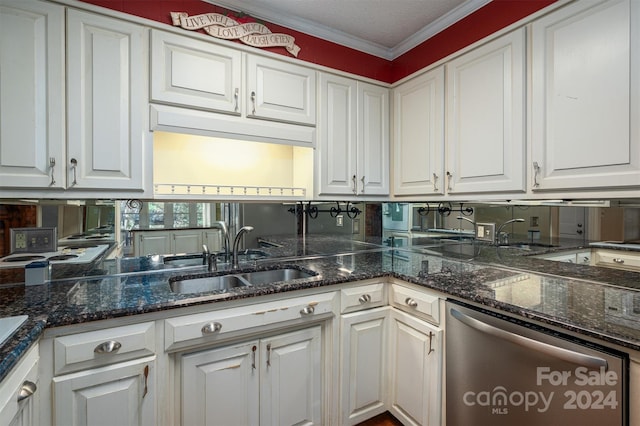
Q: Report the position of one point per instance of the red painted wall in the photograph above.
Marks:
(492, 17)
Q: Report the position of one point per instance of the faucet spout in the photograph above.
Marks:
(502, 226)
(222, 226)
(236, 244)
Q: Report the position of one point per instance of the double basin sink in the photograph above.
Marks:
(202, 283)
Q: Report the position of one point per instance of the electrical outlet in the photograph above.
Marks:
(355, 226)
(486, 231)
(339, 220)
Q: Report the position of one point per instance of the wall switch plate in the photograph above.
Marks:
(486, 232)
(339, 220)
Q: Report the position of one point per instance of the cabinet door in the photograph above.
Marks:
(291, 379)
(338, 133)
(107, 102)
(373, 139)
(213, 239)
(418, 138)
(195, 73)
(156, 242)
(186, 241)
(363, 365)
(121, 394)
(221, 386)
(280, 91)
(32, 107)
(485, 117)
(585, 96)
(416, 370)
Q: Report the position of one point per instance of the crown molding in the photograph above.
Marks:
(326, 33)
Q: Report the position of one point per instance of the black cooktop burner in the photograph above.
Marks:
(62, 257)
(24, 258)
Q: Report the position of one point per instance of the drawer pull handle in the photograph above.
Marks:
(618, 260)
(212, 327)
(28, 388)
(411, 303)
(307, 310)
(365, 298)
(107, 347)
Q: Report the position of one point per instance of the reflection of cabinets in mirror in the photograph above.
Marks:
(175, 241)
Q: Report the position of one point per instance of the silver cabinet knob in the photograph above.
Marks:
(107, 347)
(28, 388)
(307, 310)
(365, 298)
(618, 260)
(212, 327)
(411, 303)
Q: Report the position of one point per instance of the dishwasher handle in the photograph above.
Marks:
(589, 361)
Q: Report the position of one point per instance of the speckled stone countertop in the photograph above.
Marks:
(569, 296)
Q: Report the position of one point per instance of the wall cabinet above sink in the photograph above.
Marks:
(204, 88)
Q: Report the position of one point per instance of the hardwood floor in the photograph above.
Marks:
(384, 419)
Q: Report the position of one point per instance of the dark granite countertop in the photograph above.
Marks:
(569, 296)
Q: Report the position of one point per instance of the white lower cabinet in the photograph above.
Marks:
(120, 394)
(270, 381)
(19, 396)
(363, 358)
(416, 370)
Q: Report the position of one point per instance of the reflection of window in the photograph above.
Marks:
(156, 215)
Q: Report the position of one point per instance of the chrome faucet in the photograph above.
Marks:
(505, 239)
(209, 259)
(472, 222)
(236, 243)
(222, 226)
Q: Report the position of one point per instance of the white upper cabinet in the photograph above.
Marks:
(585, 95)
(418, 142)
(32, 106)
(280, 91)
(195, 73)
(486, 118)
(107, 88)
(354, 137)
(203, 88)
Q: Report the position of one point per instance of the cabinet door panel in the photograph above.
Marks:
(419, 135)
(585, 96)
(220, 386)
(416, 370)
(291, 381)
(485, 117)
(373, 139)
(106, 79)
(363, 359)
(122, 394)
(32, 97)
(195, 73)
(338, 143)
(280, 91)
(152, 243)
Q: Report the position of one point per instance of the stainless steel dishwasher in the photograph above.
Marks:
(503, 371)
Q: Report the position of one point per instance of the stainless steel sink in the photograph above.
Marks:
(275, 275)
(184, 260)
(201, 284)
(186, 285)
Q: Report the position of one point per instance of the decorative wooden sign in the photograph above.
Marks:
(222, 26)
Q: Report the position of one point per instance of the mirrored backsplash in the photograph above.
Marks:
(537, 224)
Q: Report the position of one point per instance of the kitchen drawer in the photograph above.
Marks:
(419, 303)
(362, 297)
(101, 347)
(206, 327)
(618, 259)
